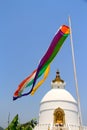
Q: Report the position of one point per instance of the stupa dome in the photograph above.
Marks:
(58, 95)
(58, 99)
(58, 92)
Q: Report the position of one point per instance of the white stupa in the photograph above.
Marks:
(58, 108)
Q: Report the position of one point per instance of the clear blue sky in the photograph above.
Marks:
(26, 30)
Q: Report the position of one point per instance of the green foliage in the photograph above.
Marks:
(15, 125)
(29, 125)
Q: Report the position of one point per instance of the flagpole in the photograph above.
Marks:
(75, 75)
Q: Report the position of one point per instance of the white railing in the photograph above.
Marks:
(69, 127)
(51, 127)
(59, 128)
(75, 127)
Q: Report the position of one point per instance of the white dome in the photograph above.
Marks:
(56, 98)
(59, 95)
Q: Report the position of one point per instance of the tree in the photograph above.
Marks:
(29, 125)
(13, 124)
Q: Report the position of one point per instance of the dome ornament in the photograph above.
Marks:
(58, 82)
(58, 78)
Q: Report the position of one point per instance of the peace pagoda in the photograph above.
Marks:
(58, 109)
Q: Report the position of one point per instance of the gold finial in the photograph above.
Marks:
(58, 78)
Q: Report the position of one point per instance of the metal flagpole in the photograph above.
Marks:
(75, 76)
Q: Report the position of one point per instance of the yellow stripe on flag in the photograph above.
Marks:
(41, 81)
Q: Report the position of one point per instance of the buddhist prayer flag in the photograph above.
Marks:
(44, 64)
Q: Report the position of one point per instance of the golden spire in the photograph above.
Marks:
(58, 78)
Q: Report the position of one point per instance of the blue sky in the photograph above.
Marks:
(26, 30)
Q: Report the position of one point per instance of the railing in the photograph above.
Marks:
(59, 128)
(75, 127)
(67, 127)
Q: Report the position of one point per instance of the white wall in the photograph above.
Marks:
(47, 110)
